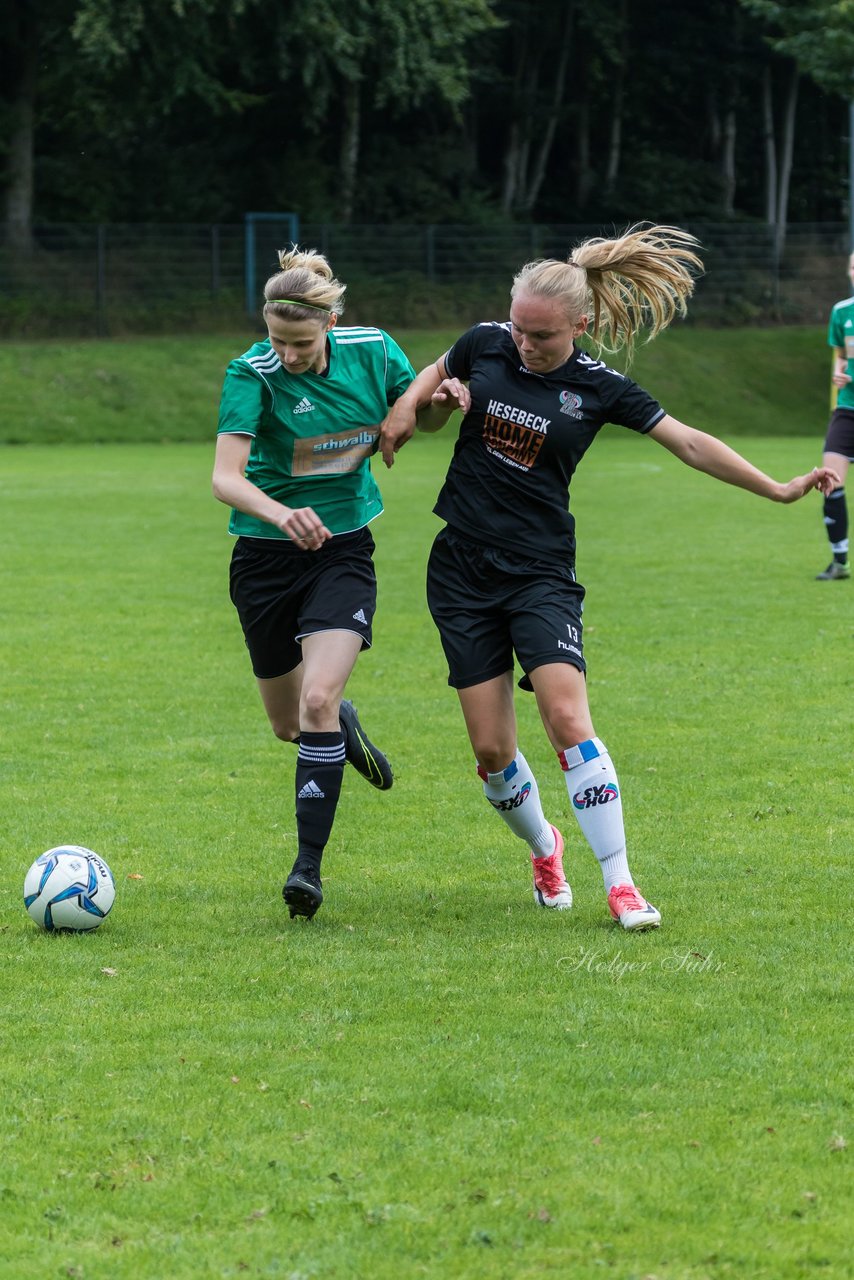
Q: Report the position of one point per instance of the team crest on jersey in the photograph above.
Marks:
(570, 403)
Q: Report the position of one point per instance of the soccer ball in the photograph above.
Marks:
(69, 888)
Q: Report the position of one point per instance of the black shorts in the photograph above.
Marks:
(282, 594)
(840, 434)
(489, 603)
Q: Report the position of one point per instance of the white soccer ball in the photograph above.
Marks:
(69, 888)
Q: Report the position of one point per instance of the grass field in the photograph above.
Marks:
(433, 1078)
(729, 381)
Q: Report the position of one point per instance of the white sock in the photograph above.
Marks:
(515, 797)
(591, 781)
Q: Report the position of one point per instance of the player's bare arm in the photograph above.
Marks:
(230, 486)
(450, 395)
(426, 405)
(840, 376)
(706, 453)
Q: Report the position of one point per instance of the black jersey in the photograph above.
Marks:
(519, 444)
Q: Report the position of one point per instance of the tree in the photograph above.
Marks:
(539, 55)
(390, 55)
(124, 59)
(422, 110)
(814, 38)
(31, 35)
(816, 34)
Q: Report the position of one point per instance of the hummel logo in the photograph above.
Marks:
(359, 616)
(304, 406)
(311, 791)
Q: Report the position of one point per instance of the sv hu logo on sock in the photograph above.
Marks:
(591, 796)
(514, 801)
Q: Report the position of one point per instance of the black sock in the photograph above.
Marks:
(836, 523)
(319, 773)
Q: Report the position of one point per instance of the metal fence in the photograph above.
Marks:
(76, 279)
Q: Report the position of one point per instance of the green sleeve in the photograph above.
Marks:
(399, 373)
(241, 405)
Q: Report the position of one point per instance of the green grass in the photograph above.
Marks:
(730, 382)
(433, 1078)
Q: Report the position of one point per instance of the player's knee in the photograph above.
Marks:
(319, 705)
(493, 758)
(570, 729)
(286, 730)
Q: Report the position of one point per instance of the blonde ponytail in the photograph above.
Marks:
(638, 281)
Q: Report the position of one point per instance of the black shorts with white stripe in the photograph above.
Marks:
(283, 594)
(490, 605)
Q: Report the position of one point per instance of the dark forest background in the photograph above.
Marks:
(452, 111)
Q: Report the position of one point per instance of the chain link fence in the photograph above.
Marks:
(123, 278)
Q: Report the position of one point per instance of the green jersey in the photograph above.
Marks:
(313, 434)
(840, 333)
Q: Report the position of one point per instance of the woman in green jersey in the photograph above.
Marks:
(839, 442)
(501, 575)
(299, 418)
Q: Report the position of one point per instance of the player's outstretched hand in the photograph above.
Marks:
(822, 478)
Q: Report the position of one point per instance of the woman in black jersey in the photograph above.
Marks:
(501, 576)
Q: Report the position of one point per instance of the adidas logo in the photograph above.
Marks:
(311, 791)
(359, 616)
(304, 406)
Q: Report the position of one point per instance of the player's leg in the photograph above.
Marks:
(285, 597)
(281, 698)
(592, 784)
(266, 586)
(509, 784)
(465, 593)
(335, 620)
(344, 597)
(835, 505)
(328, 660)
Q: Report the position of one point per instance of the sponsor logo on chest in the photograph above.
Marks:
(514, 435)
(333, 454)
(521, 417)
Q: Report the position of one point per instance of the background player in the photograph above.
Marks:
(839, 442)
(299, 418)
(501, 575)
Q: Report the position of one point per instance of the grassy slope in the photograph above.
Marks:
(731, 382)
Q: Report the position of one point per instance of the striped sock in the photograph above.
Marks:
(836, 523)
(515, 797)
(591, 781)
(319, 773)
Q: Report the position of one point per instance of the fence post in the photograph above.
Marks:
(101, 281)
